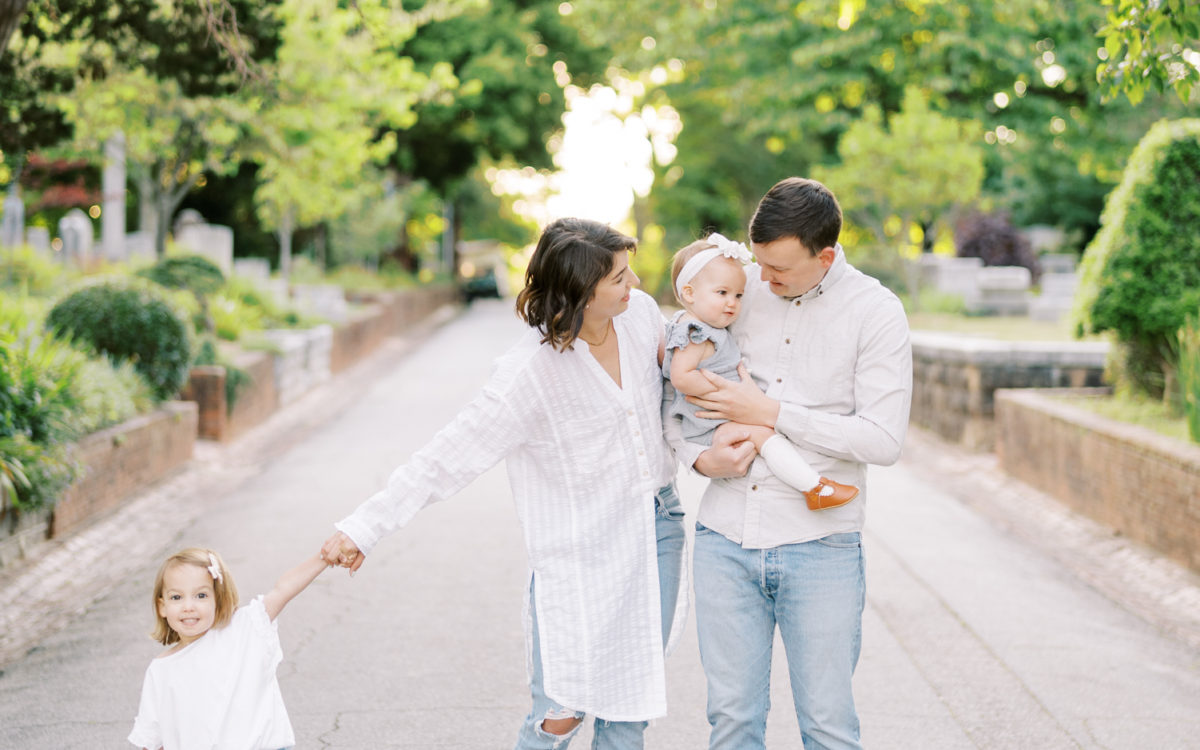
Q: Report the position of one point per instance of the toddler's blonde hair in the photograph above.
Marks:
(224, 591)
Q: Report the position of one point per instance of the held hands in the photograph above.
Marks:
(736, 401)
(340, 550)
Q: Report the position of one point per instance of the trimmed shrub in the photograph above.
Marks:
(191, 273)
(1140, 276)
(993, 238)
(132, 323)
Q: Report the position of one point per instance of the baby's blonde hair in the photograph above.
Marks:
(224, 591)
(685, 254)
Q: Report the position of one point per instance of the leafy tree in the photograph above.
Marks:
(1141, 273)
(1150, 43)
(171, 139)
(902, 178)
(792, 77)
(338, 80)
(54, 43)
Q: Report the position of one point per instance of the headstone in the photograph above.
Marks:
(12, 226)
(78, 237)
(326, 300)
(1057, 297)
(112, 220)
(958, 276)
(1058, 262)
(255, 269)
(139, 246)
(209, 240)
(39, 239)
(1043, 237)
(1001, 290)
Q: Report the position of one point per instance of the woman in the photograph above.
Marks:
(574, 407)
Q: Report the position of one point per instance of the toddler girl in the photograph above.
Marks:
(215, 686)
(709, 281)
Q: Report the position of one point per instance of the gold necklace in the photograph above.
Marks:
(602, 338)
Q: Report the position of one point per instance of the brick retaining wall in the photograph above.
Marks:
(955, 377)
(1138, 482)
(123, 459)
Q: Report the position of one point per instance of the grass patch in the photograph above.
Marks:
(1004, 328)
(1138, 410)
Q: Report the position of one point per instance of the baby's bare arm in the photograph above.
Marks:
(685, 372)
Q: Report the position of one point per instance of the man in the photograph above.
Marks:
(829, 352)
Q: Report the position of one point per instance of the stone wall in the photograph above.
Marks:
(305, 359)
(955, 378)
(1141, 484)
(123, 459)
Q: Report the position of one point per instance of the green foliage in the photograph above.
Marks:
(129, 322)
(27, 271)
(914, 168)
(36, 397)
(1140, 277)
(194, 273)
(33, 475)
(236, 379)
(1147, 45)
(1189, 373)
(109, 393)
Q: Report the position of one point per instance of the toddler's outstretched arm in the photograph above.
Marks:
(291, 583)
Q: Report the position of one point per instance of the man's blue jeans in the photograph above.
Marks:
(815, 593)
(611, 735)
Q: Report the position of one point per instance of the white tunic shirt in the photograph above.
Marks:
(585, 458)
(839, 361)
(218, 692)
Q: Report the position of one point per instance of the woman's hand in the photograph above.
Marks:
(341, 550)
(731, 453)
(736, 401)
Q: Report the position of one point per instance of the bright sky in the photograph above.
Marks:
(603, 158)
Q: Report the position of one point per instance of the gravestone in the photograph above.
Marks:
(953, 275)
(325, 300)
(1058, 262)
(1001, 290)
(255, 269)
(12, 226)
(209, 240)
(39, 239)
(78, 237)
(139, 246)
(1057, 297)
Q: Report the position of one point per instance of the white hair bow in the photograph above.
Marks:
(722, 246)
(215, 569)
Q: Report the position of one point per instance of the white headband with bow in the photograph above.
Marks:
(723, 247)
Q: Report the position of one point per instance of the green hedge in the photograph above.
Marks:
(1140, 276)
(130, 322)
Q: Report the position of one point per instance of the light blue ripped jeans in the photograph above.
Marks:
(610, 735)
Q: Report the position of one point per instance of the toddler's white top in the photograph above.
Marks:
(218, 692)
(585, 459)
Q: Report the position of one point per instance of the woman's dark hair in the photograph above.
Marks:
(571, 258)
(800, 208)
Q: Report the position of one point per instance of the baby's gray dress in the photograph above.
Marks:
(724, 362)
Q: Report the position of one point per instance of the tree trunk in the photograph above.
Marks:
(10, 17)
(286, 227)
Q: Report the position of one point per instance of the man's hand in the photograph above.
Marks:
(340, 549)
(736, 401)
(731, 454)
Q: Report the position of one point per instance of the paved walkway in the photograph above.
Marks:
(994, 618)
